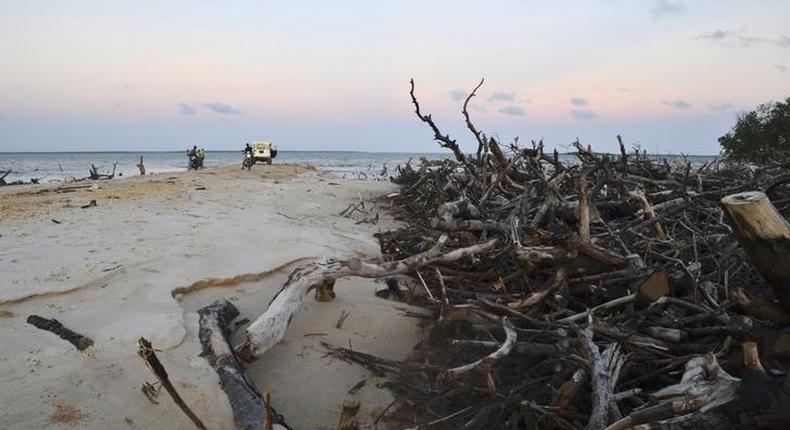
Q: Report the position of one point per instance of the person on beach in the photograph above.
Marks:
(201, 156)
(247, 150)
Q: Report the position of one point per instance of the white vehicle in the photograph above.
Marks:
(263, 151)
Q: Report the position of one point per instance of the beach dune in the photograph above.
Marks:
(140, 263)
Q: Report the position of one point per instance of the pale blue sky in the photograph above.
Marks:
(162, 75)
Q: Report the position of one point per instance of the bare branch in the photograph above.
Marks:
(443, 139)
(480, 142)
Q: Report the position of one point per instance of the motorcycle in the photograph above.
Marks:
(195, 162)
(248, 161)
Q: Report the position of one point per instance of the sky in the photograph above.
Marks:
(670, 76)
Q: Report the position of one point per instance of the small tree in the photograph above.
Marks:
(759, 135)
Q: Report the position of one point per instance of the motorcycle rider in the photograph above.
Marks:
(193, 158)
(201, 155)
(247, 150)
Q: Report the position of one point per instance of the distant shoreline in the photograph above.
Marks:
(332, 151)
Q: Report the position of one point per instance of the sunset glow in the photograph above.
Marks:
(671, 76)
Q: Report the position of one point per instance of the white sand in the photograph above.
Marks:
(107, 272)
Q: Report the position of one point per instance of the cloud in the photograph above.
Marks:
(222, 108)
(738, 38)
(503, 96)
(665, 7)
(677, 104)
(624, 90)
(583, 114)
(721, 107)
(717, 35)
(781, 68)
(512, 110)
(579, 101)
(477, 108)
(458, 94)
(186, 109)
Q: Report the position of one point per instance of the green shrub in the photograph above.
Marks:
(760, 135)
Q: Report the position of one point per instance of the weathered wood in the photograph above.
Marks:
(765, 236)
(148, 354)
(54, 326)
(443, 139)
(95, 175)
(709, 397)
(270, 327)
(604, 373)
(648, 212)
(141, 166)
(584, 210)
(484, 363)
(348, 416)
(249, 410)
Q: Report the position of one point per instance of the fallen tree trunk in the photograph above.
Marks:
(245, 400)
(765, 236)
(270, 327)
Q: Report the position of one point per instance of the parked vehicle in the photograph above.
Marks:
(263, 151)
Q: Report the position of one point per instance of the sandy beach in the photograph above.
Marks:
(110, 271)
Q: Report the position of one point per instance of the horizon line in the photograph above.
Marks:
(318, 151)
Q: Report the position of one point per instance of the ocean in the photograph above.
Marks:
(59, 166)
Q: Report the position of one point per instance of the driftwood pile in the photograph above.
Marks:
(93, 174)
(3, 182)
(606, 292)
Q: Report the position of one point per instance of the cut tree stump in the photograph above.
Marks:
(765, 236)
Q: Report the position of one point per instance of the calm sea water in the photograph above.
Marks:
(53, 166)
(57, 166)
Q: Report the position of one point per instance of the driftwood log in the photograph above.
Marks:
(249, 412)
(141, 166)
(348, 416)
(95, 175)
(270, 327)
(54, 326)
(765, 236)
(709, 397)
